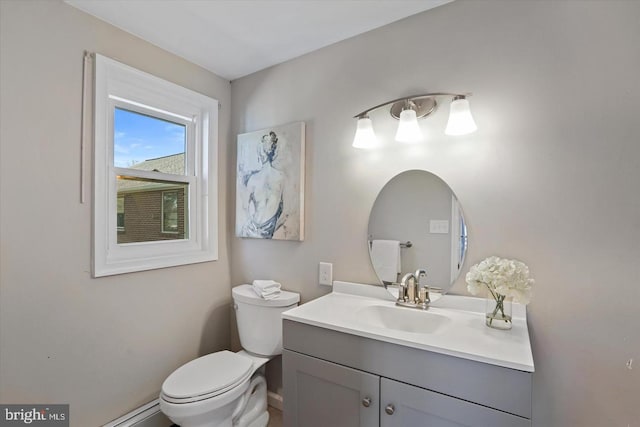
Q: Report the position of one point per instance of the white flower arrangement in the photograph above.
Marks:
(503, 278)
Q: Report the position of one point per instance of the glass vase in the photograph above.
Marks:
(498, 311)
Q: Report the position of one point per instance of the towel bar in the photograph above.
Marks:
(406, 244)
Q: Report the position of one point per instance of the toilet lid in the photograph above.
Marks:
(206, 375)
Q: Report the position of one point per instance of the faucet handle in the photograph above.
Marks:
(423, 295)
(402, 292)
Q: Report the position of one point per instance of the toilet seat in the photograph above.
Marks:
(207, 377)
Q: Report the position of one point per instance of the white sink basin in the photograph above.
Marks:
(401, 319)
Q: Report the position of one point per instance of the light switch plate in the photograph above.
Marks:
(439, 226)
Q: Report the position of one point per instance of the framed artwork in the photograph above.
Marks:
(270, 183)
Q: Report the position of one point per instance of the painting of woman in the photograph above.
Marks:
(269, 183)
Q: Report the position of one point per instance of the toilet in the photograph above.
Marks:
(226, 389)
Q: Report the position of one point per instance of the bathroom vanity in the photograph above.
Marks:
(352, 358)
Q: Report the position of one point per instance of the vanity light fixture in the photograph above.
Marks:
(408, 129)
(365, 136)
(460, 119)
(408, 110)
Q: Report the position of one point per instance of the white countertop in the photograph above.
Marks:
(462, 334)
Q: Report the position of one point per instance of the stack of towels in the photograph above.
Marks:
(267, 289)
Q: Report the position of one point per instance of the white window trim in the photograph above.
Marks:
(119, 85)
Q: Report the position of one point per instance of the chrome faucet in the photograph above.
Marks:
(410, 294)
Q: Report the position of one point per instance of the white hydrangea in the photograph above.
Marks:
(508, 277)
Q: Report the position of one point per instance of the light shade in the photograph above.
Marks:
(365, 136)
(408, 129)
(460, 119)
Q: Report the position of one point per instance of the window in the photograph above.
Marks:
(155, 183)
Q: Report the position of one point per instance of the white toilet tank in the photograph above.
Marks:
(259, 320)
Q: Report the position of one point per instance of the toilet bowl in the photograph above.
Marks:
(225, 389)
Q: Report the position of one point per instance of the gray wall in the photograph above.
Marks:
(102, 345)
(551, 177)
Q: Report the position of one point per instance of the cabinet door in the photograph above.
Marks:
(403, 405)
(323, 394)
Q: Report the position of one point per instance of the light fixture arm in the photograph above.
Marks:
(413, 99)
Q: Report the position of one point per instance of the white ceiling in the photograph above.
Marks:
(233, 38)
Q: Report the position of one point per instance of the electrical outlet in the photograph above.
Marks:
(325, 273)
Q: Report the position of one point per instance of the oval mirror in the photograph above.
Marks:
(416, 223)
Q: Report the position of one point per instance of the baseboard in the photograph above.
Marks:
(274, 400)
(148, 415)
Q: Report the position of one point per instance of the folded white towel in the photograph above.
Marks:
(271, 296)
(267, 289)
(266, 284)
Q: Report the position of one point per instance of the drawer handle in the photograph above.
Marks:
(366, 402)
(390, 409)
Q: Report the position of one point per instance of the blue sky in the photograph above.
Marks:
(138, 138)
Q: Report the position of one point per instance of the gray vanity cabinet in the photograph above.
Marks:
(335, 379)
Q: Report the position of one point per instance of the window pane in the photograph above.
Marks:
(148, 143)
(152, 210)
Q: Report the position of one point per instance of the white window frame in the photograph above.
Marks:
(118, 85)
